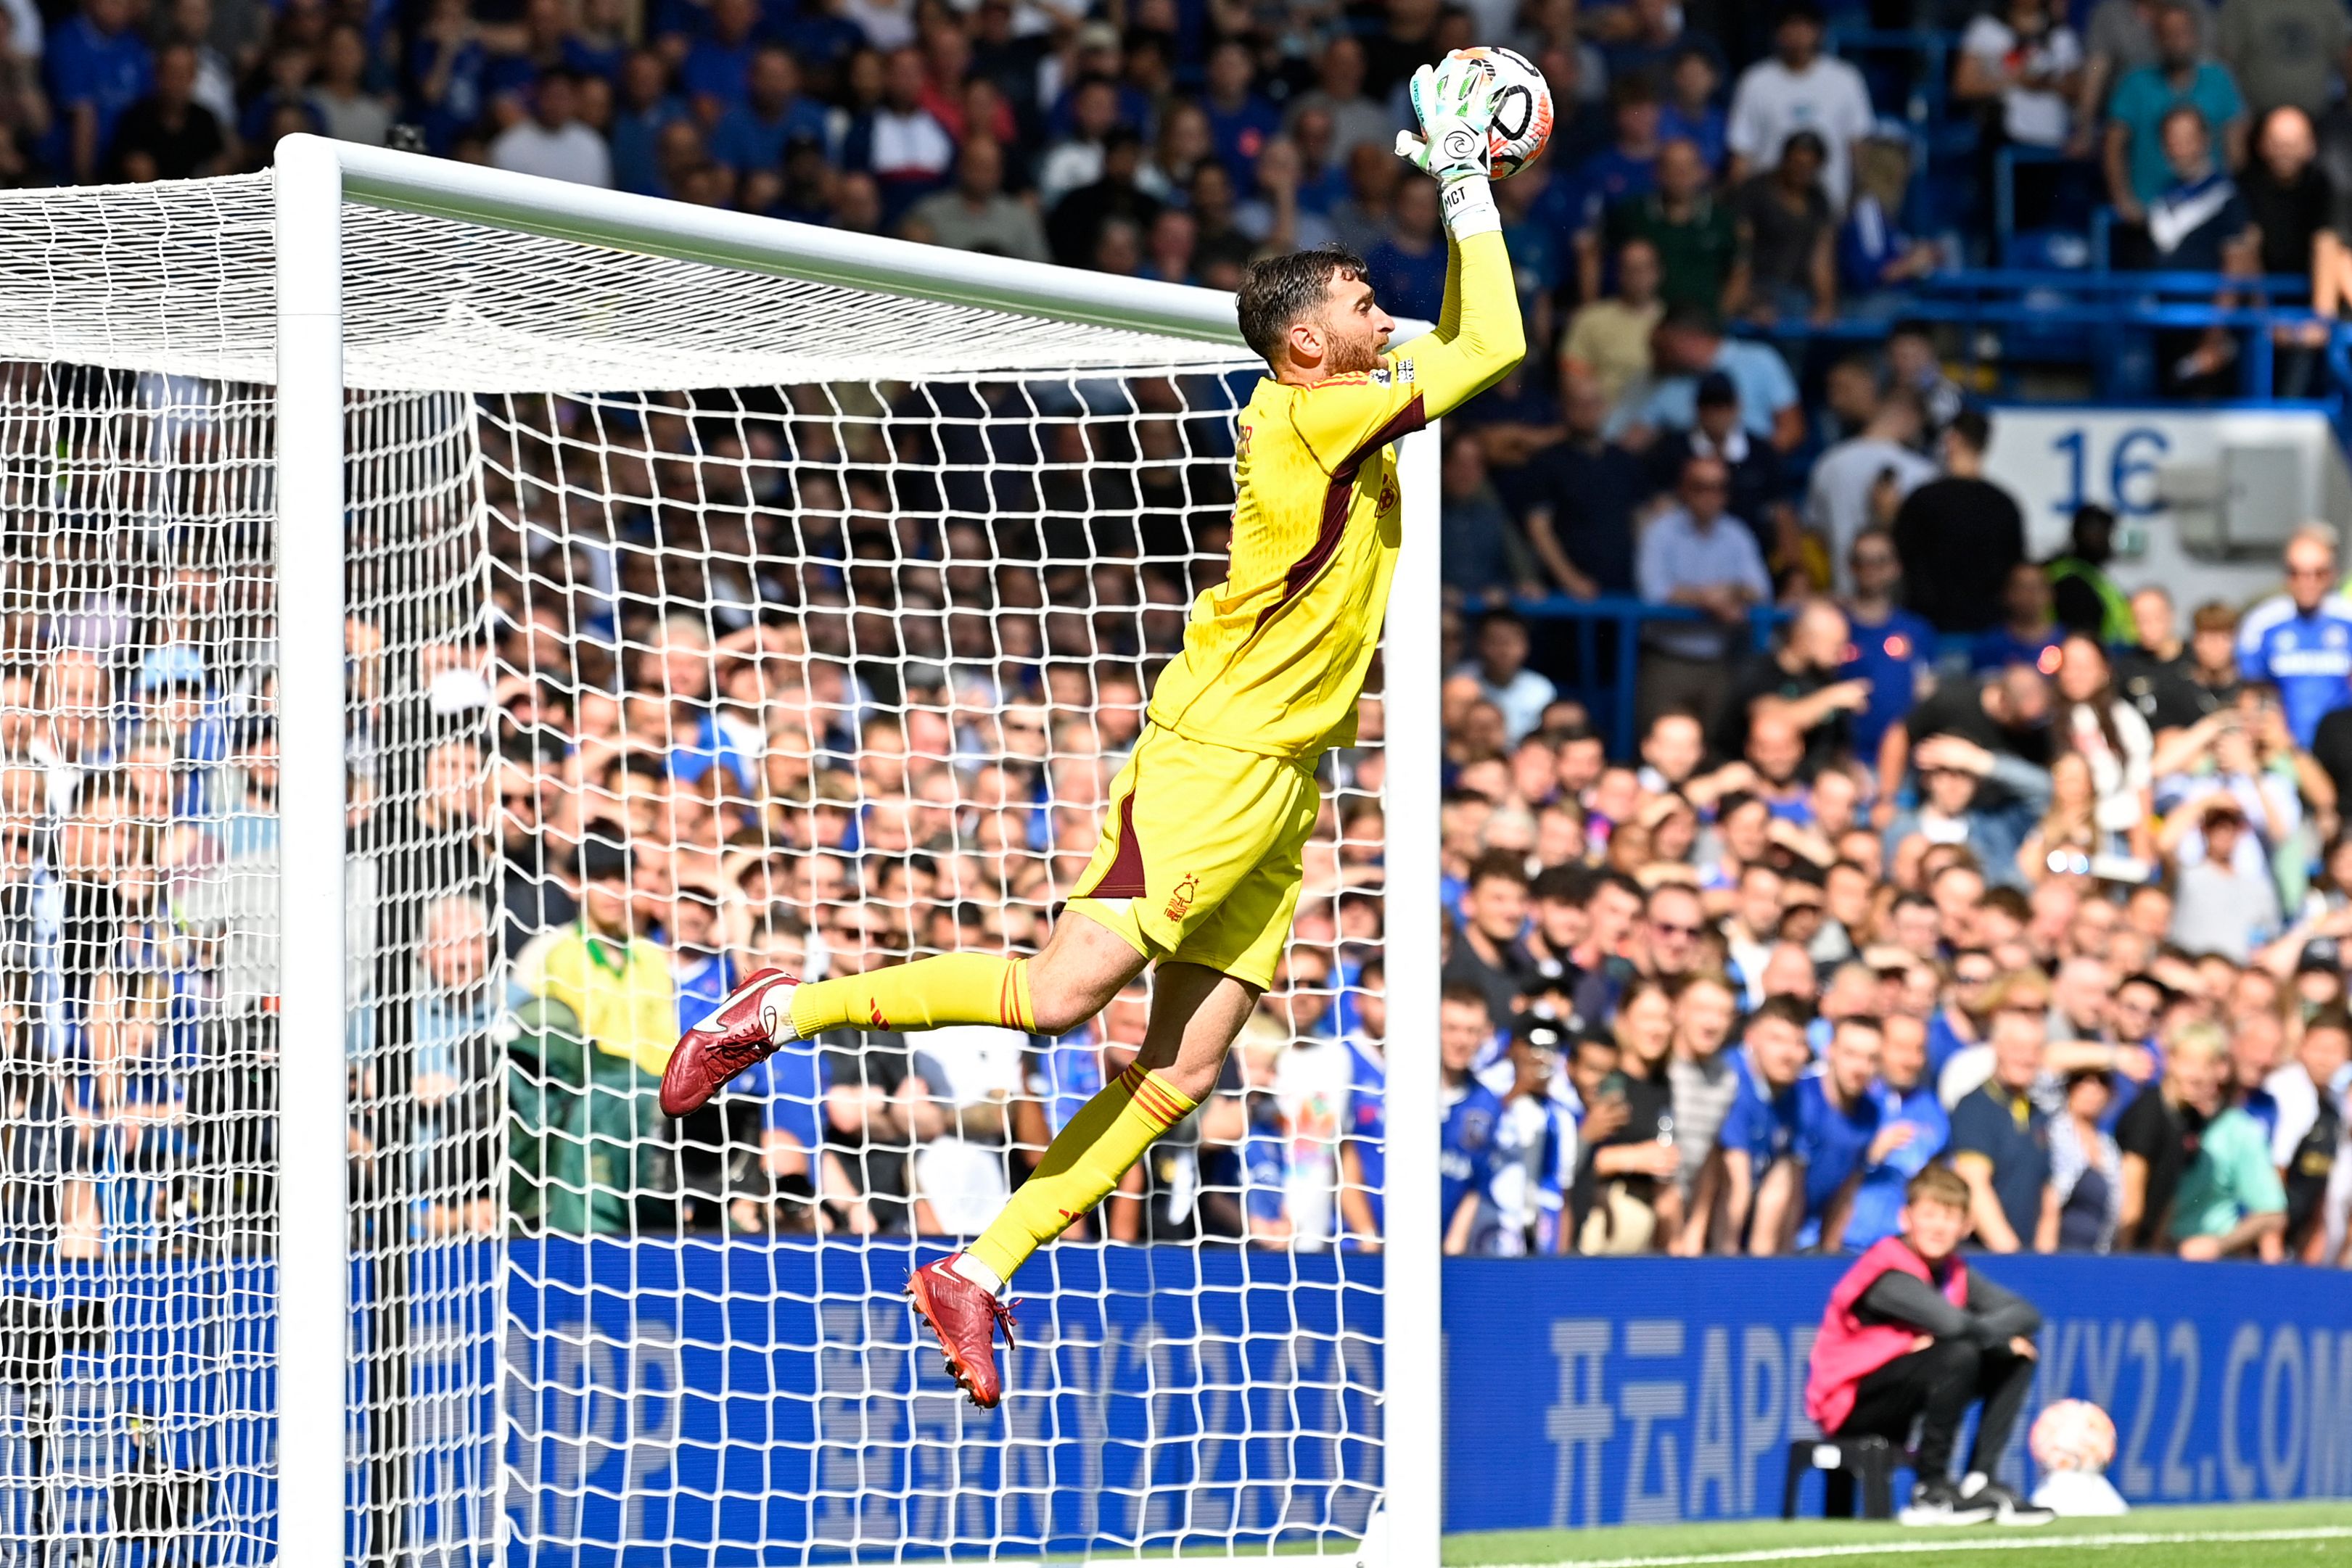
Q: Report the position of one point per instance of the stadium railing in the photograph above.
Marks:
(1605, 635)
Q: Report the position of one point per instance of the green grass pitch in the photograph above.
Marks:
(2274, 1535)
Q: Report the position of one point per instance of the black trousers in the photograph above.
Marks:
(1936, 1386)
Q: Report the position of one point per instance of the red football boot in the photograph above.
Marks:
(966, 1319)
(756, 1017)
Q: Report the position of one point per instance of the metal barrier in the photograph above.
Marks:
(1605, 637)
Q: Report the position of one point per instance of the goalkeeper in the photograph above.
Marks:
(1199, 865)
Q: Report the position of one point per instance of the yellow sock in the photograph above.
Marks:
(1082, 1165)
(954, 987)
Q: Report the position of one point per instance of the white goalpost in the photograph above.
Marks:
(418, 577)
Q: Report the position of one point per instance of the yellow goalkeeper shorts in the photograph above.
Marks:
(1202, 854)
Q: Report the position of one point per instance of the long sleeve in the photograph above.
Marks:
(2002, 1315)
(1479, 336)
(1449, 315)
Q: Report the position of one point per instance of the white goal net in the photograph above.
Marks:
(695, 619)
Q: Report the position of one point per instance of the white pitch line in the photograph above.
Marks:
(2005, 1542)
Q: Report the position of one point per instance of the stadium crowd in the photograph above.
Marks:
(2059, 903)
(1771, 179)
(1985, 862)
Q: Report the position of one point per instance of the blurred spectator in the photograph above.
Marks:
(1913, 1129)
(1691, 111)
(1799, 684)
(1607, 340)
(1694, 555)
(98, 68)
(2197, 223)
(1691, 344)
(2082, 597)
(1760, 1125)
(1960, 538)
(1583, 493)
(1837, 1133)
(1466, 1152)
(899, 142)
(2284, 53)
(1627, 167)
(1535, 1155)
(2108, 733)
(1861, 482)
(2222, 905)
(1893, 648)
(552, 141)
(2310, 1132)
(753, 129)
(2229, 1201)
(969, 1075)
(976, 214)
(2085, 1165)
(1790, 234)
(167, 135)
(1799, 89)
(1407, 269)
(1704, 1083)
(2301, 641)
(2001, 1138)
(1630, 1203)
(345, 107)
(1338, 91)
(1489, 956)
(1696, 239)
(2026, 633)
(1241, 121)
(1503, 678)
(2138, 168)
(2028, 64)
(1759, 486)
(1481, 553)
(1112, 197)
(2119, 39)
(1877, 256)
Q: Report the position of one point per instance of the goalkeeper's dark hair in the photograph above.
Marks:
(1278, 290)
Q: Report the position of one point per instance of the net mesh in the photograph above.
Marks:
(830, 635)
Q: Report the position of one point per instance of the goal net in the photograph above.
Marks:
(694, 618)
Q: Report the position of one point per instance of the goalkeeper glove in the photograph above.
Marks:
(1450, 100)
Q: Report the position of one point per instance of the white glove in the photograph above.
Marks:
(1450, 100)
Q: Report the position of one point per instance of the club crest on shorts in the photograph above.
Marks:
(1179, 902)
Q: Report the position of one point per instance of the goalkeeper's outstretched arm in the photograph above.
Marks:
(1479, 337)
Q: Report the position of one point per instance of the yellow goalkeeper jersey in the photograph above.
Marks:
(1275, 656)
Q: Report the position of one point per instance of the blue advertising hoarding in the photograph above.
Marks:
(1612, 1391)
(658, 1402)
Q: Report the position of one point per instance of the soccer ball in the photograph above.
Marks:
(1521, 101)
(2073, 1435)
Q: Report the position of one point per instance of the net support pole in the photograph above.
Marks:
(1412, 1428)
(313, 1317)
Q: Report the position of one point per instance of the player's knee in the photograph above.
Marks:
(1054, 1010)
(1956, 1355)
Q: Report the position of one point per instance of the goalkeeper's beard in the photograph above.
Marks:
(1351, 355)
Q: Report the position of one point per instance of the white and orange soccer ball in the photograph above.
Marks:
(2073, 1435)
(1520, 101)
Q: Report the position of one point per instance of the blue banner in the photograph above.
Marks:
(1609, 1391)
